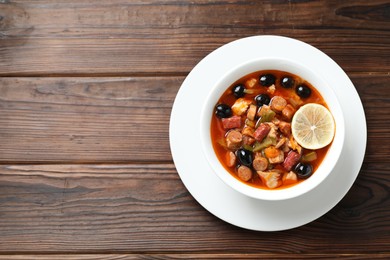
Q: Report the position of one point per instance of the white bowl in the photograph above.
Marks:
(270, 63)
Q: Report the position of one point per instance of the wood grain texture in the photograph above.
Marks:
(145, 208)
(197, 256)
(150, 37)
(70, 120)
(86, 119)
(86, 90)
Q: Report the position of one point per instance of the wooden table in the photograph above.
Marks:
(86, 91)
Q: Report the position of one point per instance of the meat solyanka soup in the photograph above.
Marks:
(271, 129)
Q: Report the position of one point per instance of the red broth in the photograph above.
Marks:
(253, 88)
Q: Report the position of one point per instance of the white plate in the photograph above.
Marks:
(216, 196)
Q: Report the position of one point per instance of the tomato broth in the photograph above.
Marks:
(281, 155)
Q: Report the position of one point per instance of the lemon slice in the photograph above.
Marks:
(313, 126)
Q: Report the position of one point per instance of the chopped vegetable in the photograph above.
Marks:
(247, 147)
(309, 157)
(274, 155)
(266, 116)
(250, 123)
(268, 141)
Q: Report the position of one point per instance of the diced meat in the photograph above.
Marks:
(285, 128)
(271, 89)
(274, 131)
(261, 132)
(251, 112)
(288, 112)
(294, 145)
(274, 155)
(247, 130)
(231, 122)
(244, 173)
(275, 121)
(280, 143)
(240, 106)
(289, 178)
(260, 163)
(285, 147)
(230, 159)
(248, 140)
(233, 139)
(292, 159)
(257, 154)
(278, 103)
(271, 179)
(250, 83)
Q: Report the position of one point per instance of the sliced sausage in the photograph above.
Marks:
(233, 139)
(285, 128)
(231, 122)
(292, 159)
(260, 163)
(288, 112)
(248, 140)
(230, 159)
(244, 173)
(261, 132)
(278, 103)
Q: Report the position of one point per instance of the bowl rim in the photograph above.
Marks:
(282, 64)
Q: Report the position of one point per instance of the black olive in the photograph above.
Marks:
(244, 157)
(267, 80)
(262, 99)
(239, 90)
(303, 91)
(303, 170)
(223, 111)
(287, 82)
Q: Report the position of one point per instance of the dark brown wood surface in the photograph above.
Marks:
(86, 91)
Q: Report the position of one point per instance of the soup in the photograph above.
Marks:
(255, 130)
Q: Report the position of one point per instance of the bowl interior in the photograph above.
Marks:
(273, 64)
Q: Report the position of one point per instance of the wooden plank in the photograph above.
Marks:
(148, 37)
(145, 208)
(196, 256)
(112, 119)
(86, 119)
